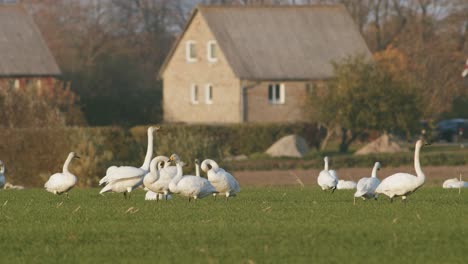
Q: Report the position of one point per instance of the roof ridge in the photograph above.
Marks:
(315, 6)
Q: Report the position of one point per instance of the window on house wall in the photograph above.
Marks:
(276, 93)
(194, 94)
(209, 94)
(212, 51)
(191, 51)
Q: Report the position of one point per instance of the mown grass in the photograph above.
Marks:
(261, 225)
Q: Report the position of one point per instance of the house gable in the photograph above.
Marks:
(180, 75)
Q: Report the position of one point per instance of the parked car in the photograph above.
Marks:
(451, 129)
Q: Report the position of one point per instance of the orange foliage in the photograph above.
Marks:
(393, 61)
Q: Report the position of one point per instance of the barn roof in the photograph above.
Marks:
(23, 51)
(283, 42)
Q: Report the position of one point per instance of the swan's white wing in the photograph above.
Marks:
(333, 174)
(123, 172)
(191, 185)
(399, 184)
(366, 186)
(60, 182)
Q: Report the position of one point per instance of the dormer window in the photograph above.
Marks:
(212, 52)
(276, 93)
(191, 51)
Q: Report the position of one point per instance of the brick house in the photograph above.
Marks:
(25, 58)
(254, 64)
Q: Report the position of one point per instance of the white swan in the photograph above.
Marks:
(222, 180)
(404, 184)
(346, 185)
(124, 179)
(327, 180)
(455, 183)
(157, 180)
(2, 174)
(60, 183)
(189, 186)
(366, 186)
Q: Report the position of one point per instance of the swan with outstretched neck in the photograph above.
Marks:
(366, 186)
(403, 184)
(327, 180)
(59, 183)
(193, 187)
(124, 179)
(222, 180)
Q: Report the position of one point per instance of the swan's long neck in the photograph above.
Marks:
(197, 169)
(67, 162)
(326, 165)
(177, 178)
(149, 152)
(154, 172)
(374, 171)
(417, 165)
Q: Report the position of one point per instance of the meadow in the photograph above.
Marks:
(261, 225)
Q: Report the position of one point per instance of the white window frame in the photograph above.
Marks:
(194, 94)
(277, 99)
(209, 50)
(209, 93)
(188, 55)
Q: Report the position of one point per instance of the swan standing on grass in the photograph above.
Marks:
(346, 185)
(124, 179)
(404, 184)
(189, 186)
(2, 174)
(366, 186)
(222, 180)
(327, 180)
(60, 183)
(157, 180)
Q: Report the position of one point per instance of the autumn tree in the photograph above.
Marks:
(364, 96)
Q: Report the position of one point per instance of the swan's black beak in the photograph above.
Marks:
(77, 157)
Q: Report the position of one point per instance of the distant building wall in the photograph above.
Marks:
(180, 75)
(24, 82)
(259, 107)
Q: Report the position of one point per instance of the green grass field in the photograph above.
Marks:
(261, 225)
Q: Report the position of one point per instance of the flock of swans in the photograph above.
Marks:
(159, 178)
(396, 185)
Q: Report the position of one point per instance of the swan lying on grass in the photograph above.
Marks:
(62, 182)
(346, 185)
